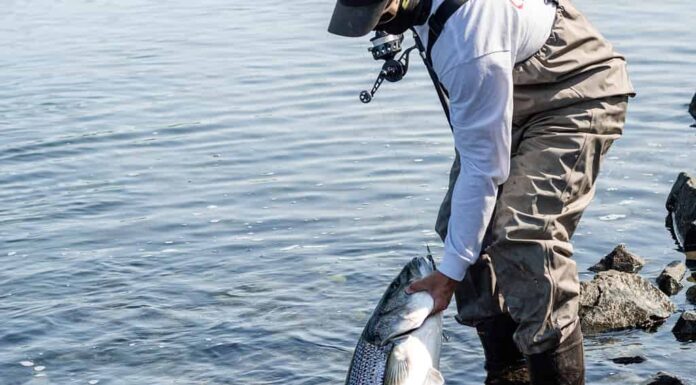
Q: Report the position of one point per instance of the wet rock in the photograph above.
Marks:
(692, 107)
(510, 376)
(691, 294)
(669, 280)
(615, 300)
(619, 259)
(685, 328)
(628, 360)
(681, 217)
(664, 378)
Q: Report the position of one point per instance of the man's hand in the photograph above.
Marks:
(440, 287)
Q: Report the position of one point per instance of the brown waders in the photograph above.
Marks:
(570, 102)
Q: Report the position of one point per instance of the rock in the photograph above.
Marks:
(670, 278)
(663, 378)
(691, 294)
(619, 259)
(681, 217)
(628, 360)
(513, 376)
(692, 107)
(615, 300)
(685, 328)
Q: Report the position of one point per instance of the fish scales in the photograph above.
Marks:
(369, 364)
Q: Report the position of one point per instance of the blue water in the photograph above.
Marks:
(193, 194)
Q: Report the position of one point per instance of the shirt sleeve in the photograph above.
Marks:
(481, 113)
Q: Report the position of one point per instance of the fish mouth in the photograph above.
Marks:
(397, 336)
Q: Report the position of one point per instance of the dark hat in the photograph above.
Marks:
(354, 18)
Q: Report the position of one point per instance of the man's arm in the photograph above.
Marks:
(481, 113)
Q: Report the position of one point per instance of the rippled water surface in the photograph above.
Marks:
(193, 194)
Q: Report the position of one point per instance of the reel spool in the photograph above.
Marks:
(385, 46)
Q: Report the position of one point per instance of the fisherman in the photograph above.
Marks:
(537, 96)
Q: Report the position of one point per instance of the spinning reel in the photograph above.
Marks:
(386, 47)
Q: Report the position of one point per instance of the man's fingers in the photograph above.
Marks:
(415, 287)
(440, 289)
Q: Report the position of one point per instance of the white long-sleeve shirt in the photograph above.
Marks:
(474, 57)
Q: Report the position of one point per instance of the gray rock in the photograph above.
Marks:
(681, 217)
(615, 300)
(513, 376)
(669, 280)
(663, 378)
(629, 360)
(619, 259)
(685, 328)
(691, 294)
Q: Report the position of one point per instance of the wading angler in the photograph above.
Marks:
(535, 96)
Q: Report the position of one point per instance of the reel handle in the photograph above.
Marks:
(392, 70)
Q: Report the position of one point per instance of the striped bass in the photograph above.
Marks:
(401, 343)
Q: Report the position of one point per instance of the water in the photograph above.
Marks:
(192, 193)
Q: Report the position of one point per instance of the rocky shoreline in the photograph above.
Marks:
(618, 298)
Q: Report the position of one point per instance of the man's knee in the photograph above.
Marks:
(540, 289)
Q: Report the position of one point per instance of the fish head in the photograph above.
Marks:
(399, 313)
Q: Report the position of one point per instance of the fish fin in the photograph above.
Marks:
(434, 377)
(430, 255)
(397, 369)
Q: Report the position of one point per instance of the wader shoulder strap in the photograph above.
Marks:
(437, 21)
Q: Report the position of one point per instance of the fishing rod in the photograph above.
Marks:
(385, 47)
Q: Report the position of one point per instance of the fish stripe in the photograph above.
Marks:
(369, 364)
